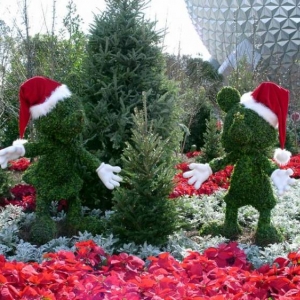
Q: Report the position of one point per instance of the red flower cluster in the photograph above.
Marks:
(88, 273)
(22, 195)
(20, 164)
(192, 154)
(294, 164)
(217, 180)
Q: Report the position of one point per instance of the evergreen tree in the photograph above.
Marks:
(243, 78)
(199, 83)
(143, 212)
(212, 146)
(124, 60)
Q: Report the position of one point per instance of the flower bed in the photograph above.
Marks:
(89, 273)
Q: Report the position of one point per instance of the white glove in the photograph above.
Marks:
(109, 179)
(12, 152)
(199, 173)
(282, 180)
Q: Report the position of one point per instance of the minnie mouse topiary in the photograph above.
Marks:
(59, 119)
(250, 130)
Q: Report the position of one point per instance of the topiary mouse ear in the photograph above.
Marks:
(228, 97)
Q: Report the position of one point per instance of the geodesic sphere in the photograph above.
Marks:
(264, 30)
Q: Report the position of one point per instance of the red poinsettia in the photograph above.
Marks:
(24, 195)
(294, 164)
(20, 164)
(217, 180)
(90, 273)
(192, 154)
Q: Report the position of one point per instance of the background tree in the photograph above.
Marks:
(242, 77)
(124, 61)
(212, 147)
(199, 83)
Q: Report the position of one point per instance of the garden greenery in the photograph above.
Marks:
(56, 174)
(88, 258)
(247, 139)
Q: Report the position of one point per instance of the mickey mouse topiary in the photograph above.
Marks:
(249, 133)
(59, 119)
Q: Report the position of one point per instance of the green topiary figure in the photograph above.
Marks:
(249, 133)
(59, 119)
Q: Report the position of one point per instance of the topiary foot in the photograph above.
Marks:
(43, 230)
(268, 235)
(216, 228)
(90, 224)
(232, 231)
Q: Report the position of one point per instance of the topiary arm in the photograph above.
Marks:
(36, 149)
(267, 165)
(220, 163)
(21, 148)
(87, 159)
(199, 173)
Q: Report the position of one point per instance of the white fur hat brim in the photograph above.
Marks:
(267, 114)
(60, 93)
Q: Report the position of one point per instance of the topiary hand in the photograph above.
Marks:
(199, 174)
(282, 180)
(107, 176)
(10, 153)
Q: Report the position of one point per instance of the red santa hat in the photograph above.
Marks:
(271, 101)
(38, 96)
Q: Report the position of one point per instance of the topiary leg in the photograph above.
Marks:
(76, 222)
(229, 229)
(266, 233)
(44, 228)
(231, 226)
(264, 219)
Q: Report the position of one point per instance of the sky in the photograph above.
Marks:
(170, 14)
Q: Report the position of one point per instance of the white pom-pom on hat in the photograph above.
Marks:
(282, 156)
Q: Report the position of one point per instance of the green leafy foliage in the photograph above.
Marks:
(198, 128)
(4, 184)
(124, 60)
(212, 147)
(198, 82)
(142, 210)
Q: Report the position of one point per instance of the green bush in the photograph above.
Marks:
(198, 128)
(212, 147)
(247, 139)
